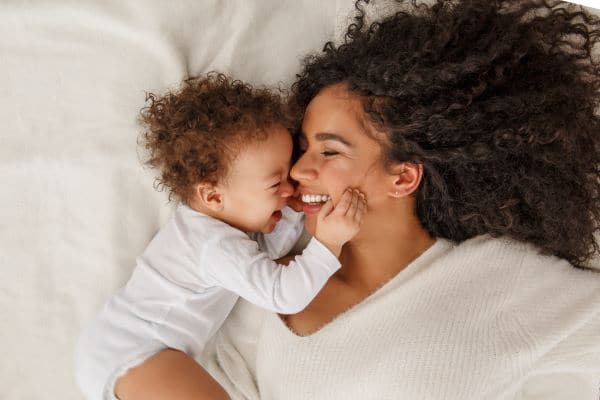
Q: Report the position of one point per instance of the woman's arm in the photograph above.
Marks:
(169, 374)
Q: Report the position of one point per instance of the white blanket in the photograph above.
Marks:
(76, 206)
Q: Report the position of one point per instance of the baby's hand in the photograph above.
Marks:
(334, 228)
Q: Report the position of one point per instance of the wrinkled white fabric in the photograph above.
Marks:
(76, 207)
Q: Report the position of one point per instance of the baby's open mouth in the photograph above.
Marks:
(314, 198)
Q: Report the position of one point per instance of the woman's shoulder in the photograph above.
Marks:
(529, 272)
(536, 260)
(552, 307)
(544, 287)
(487, 256)
(526, 254)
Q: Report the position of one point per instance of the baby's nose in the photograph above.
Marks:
(287, 189)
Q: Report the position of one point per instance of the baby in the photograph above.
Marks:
(223, 149)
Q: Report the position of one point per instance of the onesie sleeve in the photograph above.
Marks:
(285, 235)
(237, 264)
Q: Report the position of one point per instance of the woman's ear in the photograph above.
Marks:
(405, 179)
(207, 195)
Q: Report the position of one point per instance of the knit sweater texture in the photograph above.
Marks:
(467, 321)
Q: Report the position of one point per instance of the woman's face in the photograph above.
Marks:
(337, 153)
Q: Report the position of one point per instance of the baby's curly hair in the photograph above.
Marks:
(497, 99)
(192, 135)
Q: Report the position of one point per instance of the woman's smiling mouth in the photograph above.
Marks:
(312, 203)
(315, 198)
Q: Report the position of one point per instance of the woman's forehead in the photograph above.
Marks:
(333, 110)
(335, 96)
(339, 112)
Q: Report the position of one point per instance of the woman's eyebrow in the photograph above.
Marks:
(323, 136)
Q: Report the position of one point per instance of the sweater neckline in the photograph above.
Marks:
(438, 249)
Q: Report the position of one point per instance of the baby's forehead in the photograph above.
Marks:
(260, 174)
(264, 159)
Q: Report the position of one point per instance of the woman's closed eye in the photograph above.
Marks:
(325, 153)
(329, 153)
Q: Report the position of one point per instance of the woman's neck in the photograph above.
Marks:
(386, 244)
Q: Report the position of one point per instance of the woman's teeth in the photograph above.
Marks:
(314, 198)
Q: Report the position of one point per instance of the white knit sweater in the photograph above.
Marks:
(472, 321)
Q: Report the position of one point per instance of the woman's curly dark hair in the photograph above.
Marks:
(498, 100)
(192, 135)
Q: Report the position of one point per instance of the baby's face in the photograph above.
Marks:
(257, 187)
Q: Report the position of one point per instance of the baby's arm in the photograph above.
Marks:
(285, 235)
(237, 264)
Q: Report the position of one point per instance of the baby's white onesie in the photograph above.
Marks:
(185, 284)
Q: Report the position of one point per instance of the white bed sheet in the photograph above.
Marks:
(76, 206)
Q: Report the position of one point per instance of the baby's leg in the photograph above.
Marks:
(171, 375)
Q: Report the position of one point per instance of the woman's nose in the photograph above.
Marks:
(300, 170)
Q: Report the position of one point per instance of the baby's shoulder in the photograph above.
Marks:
(200, 228)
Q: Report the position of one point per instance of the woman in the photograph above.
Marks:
(471, 128)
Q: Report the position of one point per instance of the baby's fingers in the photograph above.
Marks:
(325, 209)
(360, 210)
(345, 202)
(353, 204)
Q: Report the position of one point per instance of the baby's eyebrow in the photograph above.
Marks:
(275, 174)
